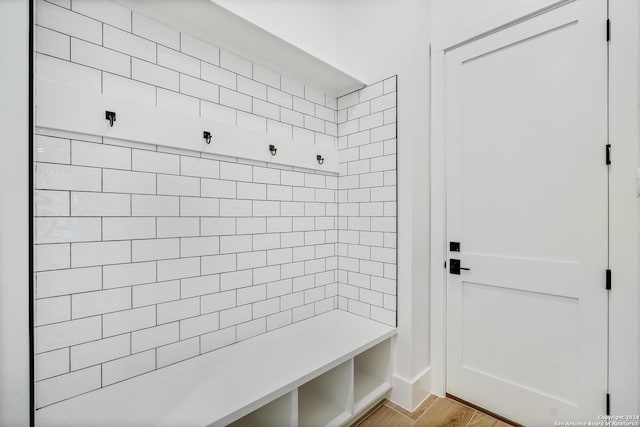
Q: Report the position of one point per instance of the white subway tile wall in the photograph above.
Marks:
(137, 262)
(367, 199)
(104, 47)
(147, 256)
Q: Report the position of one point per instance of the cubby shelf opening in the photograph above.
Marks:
(280, 412)
(372, 377)
(326, 400)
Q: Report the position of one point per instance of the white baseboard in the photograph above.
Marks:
(411, 393)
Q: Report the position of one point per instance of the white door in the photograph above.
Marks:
(525, 134)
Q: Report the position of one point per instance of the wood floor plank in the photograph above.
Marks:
(386, 417)
(368, 413)
(445, 413)
(419, 410)
(484, 420)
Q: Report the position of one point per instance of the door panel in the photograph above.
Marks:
(556, 326)
(528, 213)
(525, 128)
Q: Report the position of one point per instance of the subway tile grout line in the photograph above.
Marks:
(323, 294)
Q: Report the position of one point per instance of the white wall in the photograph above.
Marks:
(308, 24)
(378, 38)
(14, 226)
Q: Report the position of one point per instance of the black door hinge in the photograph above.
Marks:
(608, 404)
(608, 154)
(608, 280)
(608, 30)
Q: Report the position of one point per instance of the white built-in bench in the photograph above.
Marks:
(327, 370)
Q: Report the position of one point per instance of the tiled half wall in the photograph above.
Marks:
(367, 202)
(146, 256)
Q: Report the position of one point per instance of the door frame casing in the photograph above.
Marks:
(623, 65)
(624, 207)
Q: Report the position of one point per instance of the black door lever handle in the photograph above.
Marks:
(454, 266)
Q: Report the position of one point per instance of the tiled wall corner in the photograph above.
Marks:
(146, 256)
(367, 202)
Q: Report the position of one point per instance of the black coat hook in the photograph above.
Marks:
(273, 149)
(320, 159)
(111, 116)
(207, 136)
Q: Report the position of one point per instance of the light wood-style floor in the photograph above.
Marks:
(433, 412)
